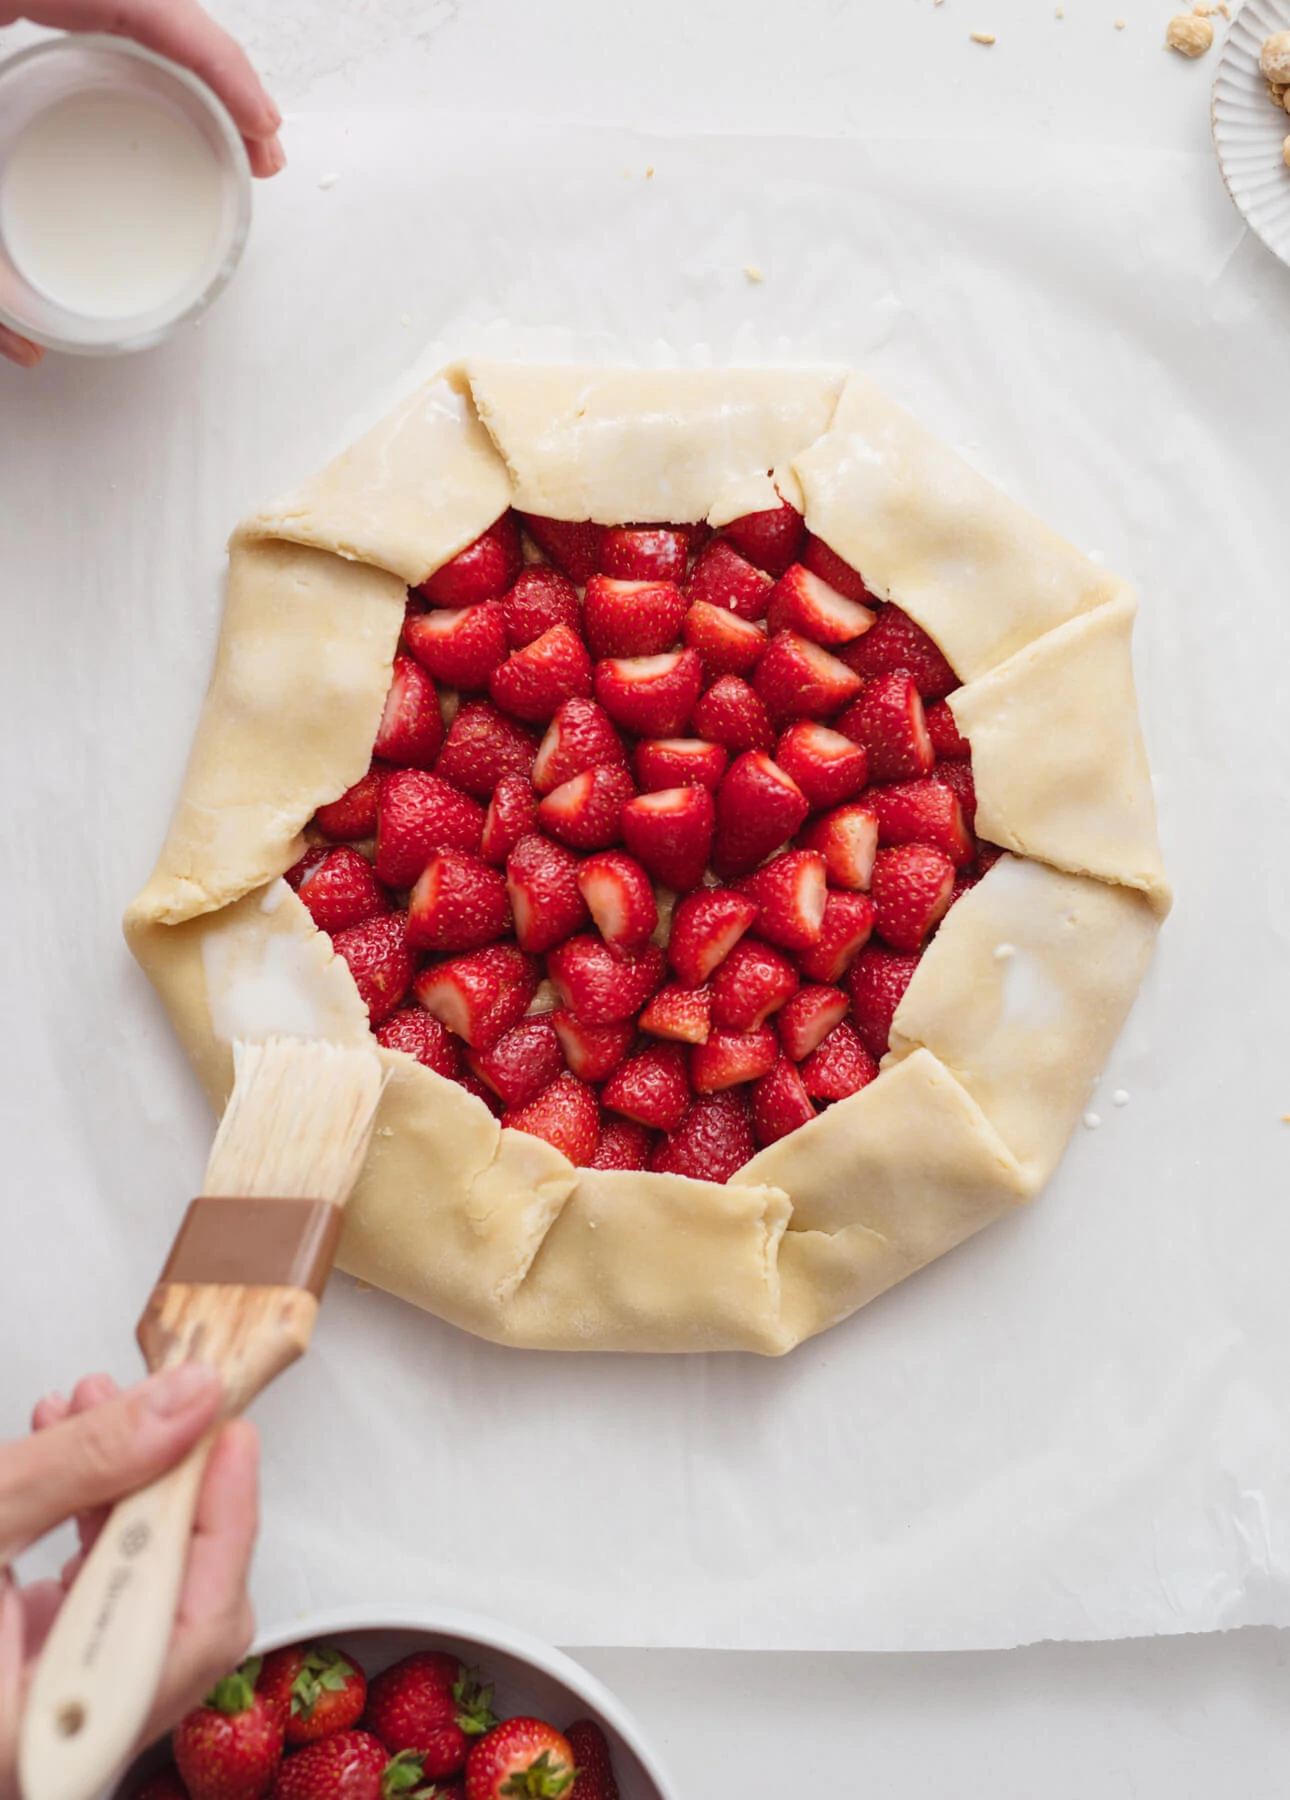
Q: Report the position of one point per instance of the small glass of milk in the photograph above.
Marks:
(125, 195)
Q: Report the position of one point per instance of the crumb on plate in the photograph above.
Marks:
(1188, 34)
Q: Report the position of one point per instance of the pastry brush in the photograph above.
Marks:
(240, 1290)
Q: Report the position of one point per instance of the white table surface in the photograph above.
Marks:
(1182, 1717)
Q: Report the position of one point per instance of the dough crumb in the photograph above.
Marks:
(1188, 35)
(649, 174)
(1059, 12)
(1091, 1121)
(1120, 24)
(328, 181)
(982, 37)
(405, 318)
(1120, 1097)
(754, 272)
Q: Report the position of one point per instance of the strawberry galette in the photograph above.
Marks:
(727, 811)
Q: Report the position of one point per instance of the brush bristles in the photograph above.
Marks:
(298, 1122)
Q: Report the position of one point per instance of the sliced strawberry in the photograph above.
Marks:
(631, 618)
(670, 831)
(697, 534)
(780, 1103)
(522, 1062)
(840, 1066)
(987, 855)
(481, 995)
(458, 903)
(911, 890)
(572, 545)
(650, 1087)
(681, 1013)
(623, 1144)
(923, 812)
(380, 962)
(481, 1091)
(459, 645)
(542, 882)
(340, 890)
(753, 982)
(796, 679)
(411, 730)
(734, 715)
(602, 985)
(877, 983)
(532, 682)
(728, 581)
(483, 745)
(620, 898)
(731, 1057)
(758, 808)
(652, 695)
(728, 644)
(895, 642)
(887, 718)
(586, 813)
(828, 767)
(847, 838)
(846, 929)
(829, 566)
(801, 602)
(808, 1018)
(481, 571)
(412, 1030)
(942, 728)
(566, 1114)
(713, 1140)
(593, 1052)
(308, 862)
(511, 815)
(958, 775)
(790, 892)
(580, 736)
(705, 928)
(770, 539)
(418, 814)
(413, 608)
(644, 553)
(353, 815)
(540, 598)
(679, 762)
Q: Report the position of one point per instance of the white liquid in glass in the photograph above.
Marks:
(110, 205)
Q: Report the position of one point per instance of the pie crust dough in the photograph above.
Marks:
(1013, 1009)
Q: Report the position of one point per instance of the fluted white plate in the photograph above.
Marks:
(1249, 130)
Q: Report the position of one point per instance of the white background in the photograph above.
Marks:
(1074, 98)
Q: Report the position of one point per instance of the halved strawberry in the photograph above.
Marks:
(481, 571)
(770, 538)
(420, 813)
(631, 618)
(511, 815)
(481, 1091)
(753, 982)
(942, 728)
(540, 598)
(887, 718)
(580, 736)
(829, 566)
(683, 1014)
(593, 1052)
(734, 715)
(877, 983)
(780, 1103)
(798, 680)
(801, 602)
(459, 645)
(414, 1031)
(644, 552)
(847, 838)
(679, 762)
(911, 890)
(566, 1114)
(353, 815)
(458, 903)
(808, 1018)
(586, 812)
(728, 644)
(959, 776)
(340, 890)
(650, 1087)
(532, 682)
(623, 1144)
(790, 892)
(572, 545)
(731, 1057)
(840, 1066)
(758, 808)
(706, 926)
(602, 985)
(522, 1062)
(713, 1140)
(828, 767)
(670, 831)
(481, 995)
(697, 534)
(483, 745)
(379, 960)
(923, 812)
(542, 882)
(724, 579)
(620, 898)
(651, 695)
(411, 729)
(895, 642)
(844, 932)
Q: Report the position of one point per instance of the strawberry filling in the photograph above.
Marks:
(657, 827)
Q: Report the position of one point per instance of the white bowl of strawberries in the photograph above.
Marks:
(410, 1705)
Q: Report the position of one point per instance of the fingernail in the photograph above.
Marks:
(277, 156)
(175, 1390)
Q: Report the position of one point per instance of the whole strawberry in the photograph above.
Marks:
(430, 1705)
(352, 1765)
(315, 1690)
(163, 1785)
(520, 1759)
(595, 1776)
(230, 1747)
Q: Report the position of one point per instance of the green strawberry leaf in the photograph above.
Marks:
(235, 1692)
(542, 1780)
(322, 1672)
(475, 1713)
